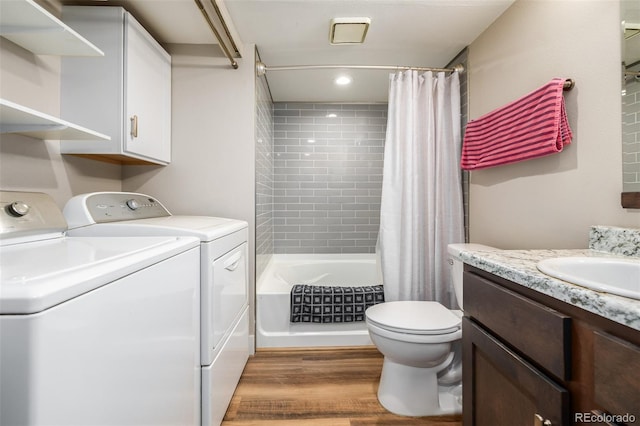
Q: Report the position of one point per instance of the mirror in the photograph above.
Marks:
(630, 14)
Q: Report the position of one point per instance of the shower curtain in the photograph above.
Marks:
(421, 210)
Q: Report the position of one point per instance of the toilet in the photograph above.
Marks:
(420, 341)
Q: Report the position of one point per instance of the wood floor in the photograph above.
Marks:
(319, 387)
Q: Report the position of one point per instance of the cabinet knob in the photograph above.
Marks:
(134, 126)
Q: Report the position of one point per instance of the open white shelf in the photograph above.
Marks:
(25, 121)
(29, 25)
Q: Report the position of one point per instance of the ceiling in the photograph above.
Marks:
(426, 33)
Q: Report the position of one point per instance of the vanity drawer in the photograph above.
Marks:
(616, 374)
(539, 333)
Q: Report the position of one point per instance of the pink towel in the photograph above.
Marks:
(532, 126)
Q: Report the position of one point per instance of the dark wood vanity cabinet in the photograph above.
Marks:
(506, 389)
(530, 359)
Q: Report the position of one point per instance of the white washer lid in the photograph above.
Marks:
(413, 317)
(39, 275)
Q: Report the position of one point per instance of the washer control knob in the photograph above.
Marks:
(18, 208)
(133, 204)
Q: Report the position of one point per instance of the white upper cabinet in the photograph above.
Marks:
(126, 94)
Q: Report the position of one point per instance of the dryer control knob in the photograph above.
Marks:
(18, 208)
(133, 204)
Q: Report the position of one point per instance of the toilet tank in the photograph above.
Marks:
(457, 266)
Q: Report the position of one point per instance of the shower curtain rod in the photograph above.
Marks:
(262, 69)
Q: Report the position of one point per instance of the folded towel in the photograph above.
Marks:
(332, 304)
(532, 126)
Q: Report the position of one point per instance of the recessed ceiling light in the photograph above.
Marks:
(331, 115)
(343, 80)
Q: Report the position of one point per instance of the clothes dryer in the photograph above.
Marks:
(224, 343)
(94, 330)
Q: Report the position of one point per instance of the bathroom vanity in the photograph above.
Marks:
(540, 351)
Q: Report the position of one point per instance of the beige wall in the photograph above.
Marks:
(212, 166)
(551, 202)
(212, 171)
(28, 164)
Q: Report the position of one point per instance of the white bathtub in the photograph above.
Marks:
(273, 328)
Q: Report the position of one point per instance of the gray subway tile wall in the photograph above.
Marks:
(264, 175)
(464, 119)
(327, 177)
(319, 176)
(631, 133)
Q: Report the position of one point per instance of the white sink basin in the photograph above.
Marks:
(609, 275)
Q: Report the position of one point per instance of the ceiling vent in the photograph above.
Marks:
(631, 30)
(348, 30)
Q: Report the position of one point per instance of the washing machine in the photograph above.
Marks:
(94, 330)
(224, 325)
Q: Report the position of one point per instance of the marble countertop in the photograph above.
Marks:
(519, 266)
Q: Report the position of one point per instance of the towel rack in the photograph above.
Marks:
(568, 84)
(505, 136)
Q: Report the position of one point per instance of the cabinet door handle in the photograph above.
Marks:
(134, 126)
(538, 420)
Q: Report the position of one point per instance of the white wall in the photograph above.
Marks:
(212, 171)
(551, 202)
(28, 164)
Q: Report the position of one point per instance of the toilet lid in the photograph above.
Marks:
(413, 317)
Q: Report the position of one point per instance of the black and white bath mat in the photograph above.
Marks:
(332, 304)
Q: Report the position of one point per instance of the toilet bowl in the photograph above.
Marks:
(420, 340)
